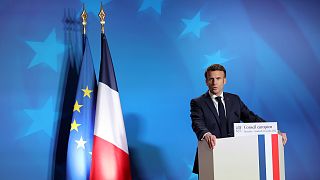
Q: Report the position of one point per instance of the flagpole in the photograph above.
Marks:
(102, 16)
(84, 17)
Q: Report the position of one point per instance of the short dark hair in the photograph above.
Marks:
(215, 67)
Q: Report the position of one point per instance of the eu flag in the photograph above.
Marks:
(82, 123)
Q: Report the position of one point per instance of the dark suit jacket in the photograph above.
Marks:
(205, 118)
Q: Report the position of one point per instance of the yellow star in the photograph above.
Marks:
(74, 125)
(77, 107)
(86, 92)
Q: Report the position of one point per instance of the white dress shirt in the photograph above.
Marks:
(215, 102)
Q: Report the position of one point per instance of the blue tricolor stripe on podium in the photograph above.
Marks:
(269, 157)
(262, 159)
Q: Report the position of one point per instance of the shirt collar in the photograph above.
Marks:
(213, 96)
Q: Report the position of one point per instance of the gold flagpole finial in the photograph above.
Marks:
(102, 16)
(84, 17)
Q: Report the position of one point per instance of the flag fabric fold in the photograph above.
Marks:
(82, 123)
(110, 155)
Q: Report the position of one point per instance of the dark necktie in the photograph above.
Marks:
(223, 119)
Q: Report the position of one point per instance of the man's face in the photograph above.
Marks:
(215, 81)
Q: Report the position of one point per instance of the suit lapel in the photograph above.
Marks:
(228, 104)
(212, 107)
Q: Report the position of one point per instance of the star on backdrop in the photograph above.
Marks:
(194, 25)
(43, 118)
(154, 4)
(47, 51)
(216, 58)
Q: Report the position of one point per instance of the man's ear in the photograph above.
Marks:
(225, 81)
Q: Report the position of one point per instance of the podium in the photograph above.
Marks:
(256, 157)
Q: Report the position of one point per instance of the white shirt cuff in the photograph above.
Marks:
(205, 135)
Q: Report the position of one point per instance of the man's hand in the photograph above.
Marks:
(211, 140)
(284, 138)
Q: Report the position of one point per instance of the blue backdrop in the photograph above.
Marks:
(160, 49)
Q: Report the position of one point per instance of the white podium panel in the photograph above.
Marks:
(242, 158)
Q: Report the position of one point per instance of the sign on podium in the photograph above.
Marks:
(253, 157)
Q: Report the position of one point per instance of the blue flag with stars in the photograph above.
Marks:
(82, 123)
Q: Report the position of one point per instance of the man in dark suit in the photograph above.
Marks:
(214, 112)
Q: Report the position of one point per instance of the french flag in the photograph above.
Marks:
(271, 157)
(110, 155)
